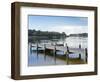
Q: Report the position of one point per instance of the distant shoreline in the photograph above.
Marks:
(36, 35)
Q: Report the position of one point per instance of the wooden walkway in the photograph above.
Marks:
(65, 49)
(60, 48)
(50, 47)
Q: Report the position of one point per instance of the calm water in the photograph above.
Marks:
(40, 59)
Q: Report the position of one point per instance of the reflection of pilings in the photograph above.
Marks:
(86, 55)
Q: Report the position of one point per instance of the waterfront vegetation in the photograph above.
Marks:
(37, 35)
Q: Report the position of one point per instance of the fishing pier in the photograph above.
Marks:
(67, 51)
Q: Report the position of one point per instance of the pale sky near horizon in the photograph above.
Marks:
(67, 24)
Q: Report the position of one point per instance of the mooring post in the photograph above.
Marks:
(37, 50)
(67, 54)
(79, 56)
(63, 43)
(37, 47)
(30, 47)
(44, 48)
(45, 51)
(86, 55)
(55, 54)
(79, 53)
(68, 49)
(66, 44)
(80, 46)
(67, 57)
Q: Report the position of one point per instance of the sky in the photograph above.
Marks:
(67, 24)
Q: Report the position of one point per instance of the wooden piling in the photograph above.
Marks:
(55, 54)
(80, 46)
(86, 55)
(68, 49)
(55, 49)
(67, 54)
(37, 47)
(79, 53)
(45, 51)
(66, 44)
(30, 47)
(37, 50)
(63, 43)
(67, 58)
(79, 56)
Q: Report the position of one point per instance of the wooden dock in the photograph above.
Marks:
(59, 48)
(65, 49)
(50, 47)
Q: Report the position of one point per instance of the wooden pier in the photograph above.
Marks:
(65, 49)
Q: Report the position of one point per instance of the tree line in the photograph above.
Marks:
(46, 34)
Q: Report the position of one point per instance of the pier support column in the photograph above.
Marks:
(37, 49)
(63, 43)
(79, 53)
(79, 46)
(67, 58)
(86, 55)
(55, 54)
(79, 56)
(30, 48)
(67, 54)
(44, 51)
(66, 44)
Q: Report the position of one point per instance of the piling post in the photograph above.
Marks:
(79, 56)
(67, 58)
(30, 47)
(67, 54)
(86, 55)
(45, 51)
(37, 50)
(66, 44)
(68, 49)
(80, 46)
(79, 53)
(55, 54)
(55, 49)
(37, 47)
(63, 43)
